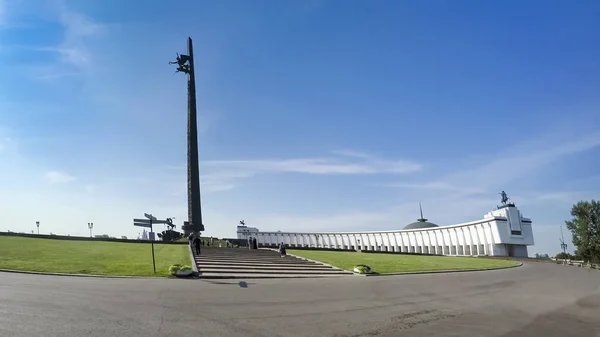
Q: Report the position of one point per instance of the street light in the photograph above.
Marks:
(37, 223)
(563, 246)
(90, 226)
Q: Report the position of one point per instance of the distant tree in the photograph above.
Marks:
(170, 235)
(585, 229)
(542, 256)
(563, 256)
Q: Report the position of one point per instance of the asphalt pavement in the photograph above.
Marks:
(537, 299)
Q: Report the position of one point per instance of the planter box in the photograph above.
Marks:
(184, 273)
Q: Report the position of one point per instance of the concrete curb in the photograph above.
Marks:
(443, 271)
(80, 275)
(193, 259)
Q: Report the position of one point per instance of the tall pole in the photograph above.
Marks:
(186, 65)
(194, 205)
(153, 260)
(37, 223)
(563, 245)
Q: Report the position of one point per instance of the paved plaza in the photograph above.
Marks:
(537, 299)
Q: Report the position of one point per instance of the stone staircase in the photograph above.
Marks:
(231, 263)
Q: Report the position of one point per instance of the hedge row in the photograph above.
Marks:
(85, 238)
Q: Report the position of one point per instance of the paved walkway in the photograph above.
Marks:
(534, 300)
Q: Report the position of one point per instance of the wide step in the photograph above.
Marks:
(275, 262)
(227, 263)
(262, 276)
(316, 269)
(265, 265)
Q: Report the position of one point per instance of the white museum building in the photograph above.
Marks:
(502, 232)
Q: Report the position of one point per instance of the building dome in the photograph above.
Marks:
(420, 223)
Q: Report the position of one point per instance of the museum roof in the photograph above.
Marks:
(421, 222)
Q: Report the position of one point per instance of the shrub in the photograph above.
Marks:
(175, 268)
(178, 267)
(362, 269)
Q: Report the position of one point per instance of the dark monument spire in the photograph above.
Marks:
(186, 65)
(421, 219)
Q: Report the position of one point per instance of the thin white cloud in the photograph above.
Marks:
(436, 186)
(320, 166)
(565, 197)
(503, 168)
(223, 180)
(352, 153)
(90, 188)
(73, 48)
(5, 143)
(3, 13)
(78, 28)
(225, 175)
(56, 75)
(56, 177)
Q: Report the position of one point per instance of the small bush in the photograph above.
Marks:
(175, 268)
(362, 269)
(178, 268)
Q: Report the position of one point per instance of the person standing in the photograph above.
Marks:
(282, 250)
(197, 245)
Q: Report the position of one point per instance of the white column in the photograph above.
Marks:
(402, 242)
(470, 242)
(394, 235)
(445, 242)
(457, 242)
(389, 242)
(478, 240)
(492, 241)
(484, 240)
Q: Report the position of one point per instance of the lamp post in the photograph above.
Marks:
(37, 224)
(90, 227)
(563, 245)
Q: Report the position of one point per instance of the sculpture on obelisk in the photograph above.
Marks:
(185, 64)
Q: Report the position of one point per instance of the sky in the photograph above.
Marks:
(314, 115)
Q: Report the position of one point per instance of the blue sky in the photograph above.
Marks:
(313, 115)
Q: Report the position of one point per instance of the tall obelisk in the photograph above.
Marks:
(194, 224)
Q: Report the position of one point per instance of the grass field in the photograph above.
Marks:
(89, 257)
(396, 263)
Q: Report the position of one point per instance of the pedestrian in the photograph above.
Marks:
(282, 250)
(197, 245)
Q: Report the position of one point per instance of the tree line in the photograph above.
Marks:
(585, 230)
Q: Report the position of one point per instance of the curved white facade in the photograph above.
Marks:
(502, 232)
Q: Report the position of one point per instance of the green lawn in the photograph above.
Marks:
(395, 263)
(89, 257)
